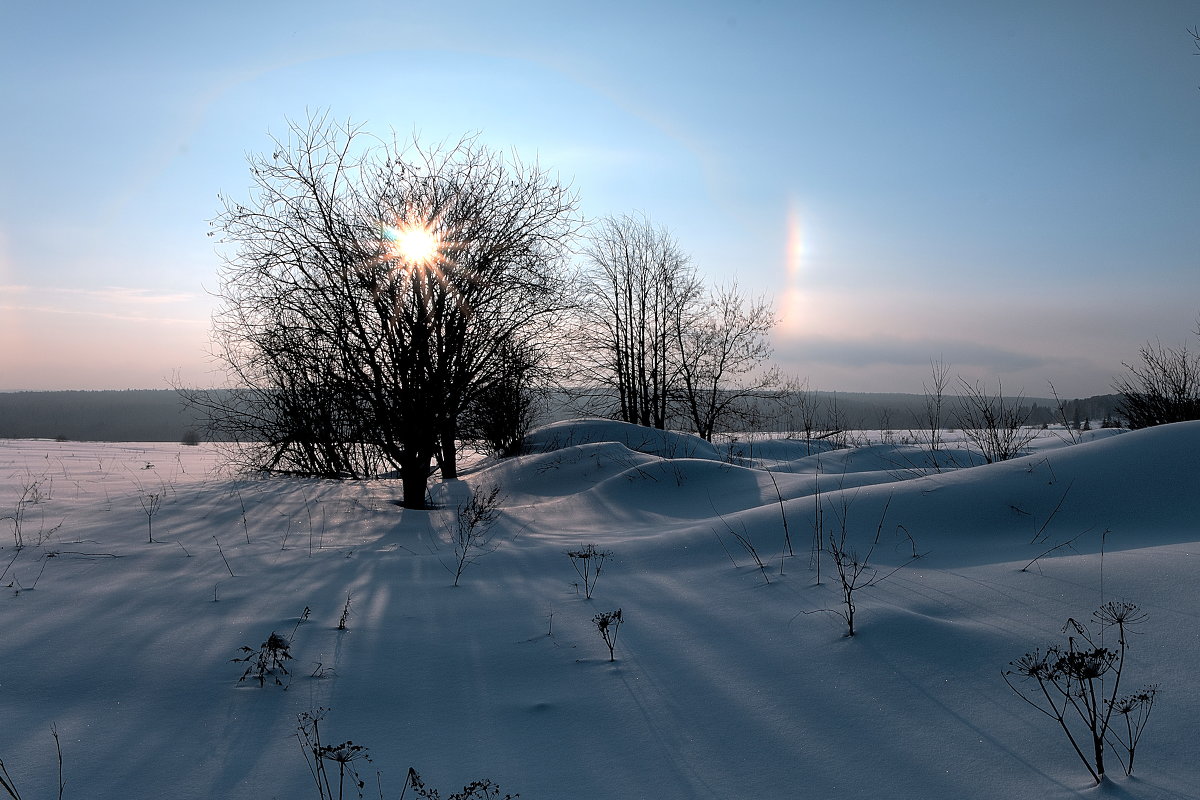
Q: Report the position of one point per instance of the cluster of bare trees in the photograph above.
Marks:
(663, 348)
(382, 301)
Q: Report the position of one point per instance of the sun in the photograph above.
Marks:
(416, 245)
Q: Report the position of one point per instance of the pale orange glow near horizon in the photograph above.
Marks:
(790, 312)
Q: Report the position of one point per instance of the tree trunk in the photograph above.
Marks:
(414, 477)
(447, 451)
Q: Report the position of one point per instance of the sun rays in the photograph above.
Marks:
(413, 244)
(414, 250)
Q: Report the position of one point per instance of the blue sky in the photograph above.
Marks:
(1013, 187)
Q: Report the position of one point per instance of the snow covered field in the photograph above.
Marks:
(724, 686)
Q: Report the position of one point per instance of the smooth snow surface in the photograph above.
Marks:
(724, 685)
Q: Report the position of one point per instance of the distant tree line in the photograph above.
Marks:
(162, 415)
(105, 416)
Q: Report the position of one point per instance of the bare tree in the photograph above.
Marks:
(371, 293)
(638, 290)
(996, 425)
(935, 409)
(471, 531)
(721, 354)
(502, 411)
(1163, 387)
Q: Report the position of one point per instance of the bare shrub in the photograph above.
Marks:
(854, 571)
(934, 415)
(588, 562)
(317, 754)
(485, 789)
(150, 501)
(607, 624)
(268, 661)
(996, 425)
(1078, 686)
(1162, 387)
(34, 492)
(471, 529)
(504, 409)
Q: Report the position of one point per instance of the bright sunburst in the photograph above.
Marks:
(415, 245)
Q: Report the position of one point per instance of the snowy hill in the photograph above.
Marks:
(121, 613)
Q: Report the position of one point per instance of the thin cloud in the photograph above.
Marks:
(862, 353)
(120, 303)
(78, 312)
(110, 294)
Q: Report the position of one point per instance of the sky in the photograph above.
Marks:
(1012, 188)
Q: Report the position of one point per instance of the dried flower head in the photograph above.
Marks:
(1118, 612)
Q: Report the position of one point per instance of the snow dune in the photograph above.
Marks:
(724, 685)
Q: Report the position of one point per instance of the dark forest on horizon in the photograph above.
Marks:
(160, 415)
